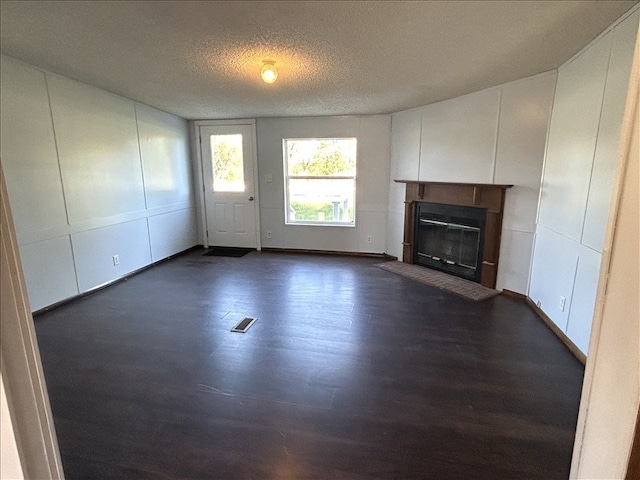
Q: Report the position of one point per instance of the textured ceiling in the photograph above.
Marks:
(202, 59)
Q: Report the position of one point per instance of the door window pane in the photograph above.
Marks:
(228, 165)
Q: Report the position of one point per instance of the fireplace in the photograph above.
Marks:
(454, 227)
(450, 238)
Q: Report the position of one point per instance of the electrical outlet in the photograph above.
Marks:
(369, 239)
(268, 234)
(116, 260)
(268, 178)
(562, 303)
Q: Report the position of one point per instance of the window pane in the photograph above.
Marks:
(321, 200)
(326, 156)
(228, 166)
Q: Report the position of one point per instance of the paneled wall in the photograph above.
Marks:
(90, 175)
(578, 178)
(609, 409)
(373, 133)
(492, 136)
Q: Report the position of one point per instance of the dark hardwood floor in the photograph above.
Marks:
(349, 372)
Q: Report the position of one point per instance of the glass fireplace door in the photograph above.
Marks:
(450, 238)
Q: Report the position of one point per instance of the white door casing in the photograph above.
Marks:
(230, 208)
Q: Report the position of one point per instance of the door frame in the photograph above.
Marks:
(30, 420)
(200, 177)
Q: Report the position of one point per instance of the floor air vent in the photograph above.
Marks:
(243, 325)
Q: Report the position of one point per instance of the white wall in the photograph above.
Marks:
(492, 136)
(611, 391)
(406, 130)
(578, 176)
(90, 175)
(373, 133)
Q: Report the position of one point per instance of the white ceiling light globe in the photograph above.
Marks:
(269, 73)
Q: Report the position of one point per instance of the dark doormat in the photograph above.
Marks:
(228, 252)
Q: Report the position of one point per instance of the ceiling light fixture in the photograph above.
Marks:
(269, 73)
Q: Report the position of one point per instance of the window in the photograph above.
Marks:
(228, 167)
(320, 181)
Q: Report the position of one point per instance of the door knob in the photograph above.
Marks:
(251, 199)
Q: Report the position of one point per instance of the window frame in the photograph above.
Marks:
(287, 177)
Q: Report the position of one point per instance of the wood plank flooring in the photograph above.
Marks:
(349, 372)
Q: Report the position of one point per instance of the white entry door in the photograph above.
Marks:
(228, 158)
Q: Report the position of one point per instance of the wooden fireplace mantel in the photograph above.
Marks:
(482, 195)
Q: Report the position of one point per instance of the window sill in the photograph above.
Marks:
(320, 224)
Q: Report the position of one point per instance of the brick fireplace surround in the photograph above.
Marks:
(481, 195)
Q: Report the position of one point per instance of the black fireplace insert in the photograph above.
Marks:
(450, 238)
